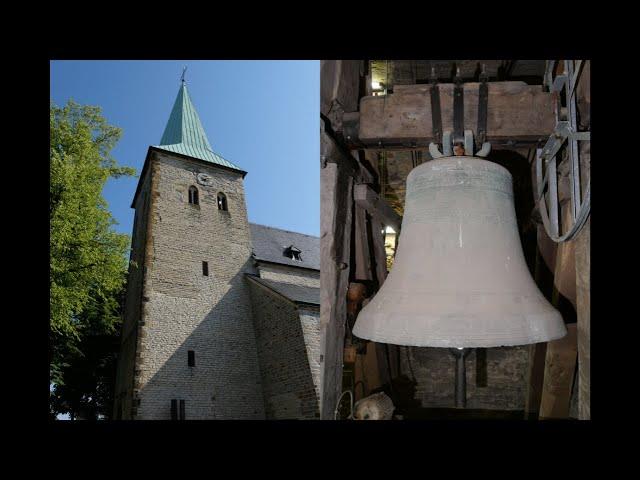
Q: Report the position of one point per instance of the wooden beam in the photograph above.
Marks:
(366, 198)
(517, 113)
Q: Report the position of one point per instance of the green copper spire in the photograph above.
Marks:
(184, 133)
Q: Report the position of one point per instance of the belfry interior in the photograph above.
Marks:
(381, 120)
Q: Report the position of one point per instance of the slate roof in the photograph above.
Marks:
(295, 293)
(269, 244)
(184, 133)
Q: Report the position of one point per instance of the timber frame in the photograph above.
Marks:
(357, 123)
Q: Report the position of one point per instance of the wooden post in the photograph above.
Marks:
(339, 93)
(361, 245)
(561, 354)
(558, 376)
(583, 280)
(335, 232)
(583, 261)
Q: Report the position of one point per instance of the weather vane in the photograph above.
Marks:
(184, 69)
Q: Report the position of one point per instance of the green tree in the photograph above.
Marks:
(88, 260)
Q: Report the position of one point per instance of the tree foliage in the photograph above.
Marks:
(88, 259)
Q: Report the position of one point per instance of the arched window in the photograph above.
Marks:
(222, 201)
(193, 195)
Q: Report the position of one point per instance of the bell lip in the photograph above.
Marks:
(468, 343)
(554, 329)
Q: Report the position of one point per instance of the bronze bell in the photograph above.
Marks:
(459, 278)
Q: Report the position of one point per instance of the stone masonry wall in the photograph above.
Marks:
(289, 350)
(186, 310)
(306, 278)
(126, 359)
(434, 370)
(310, 322)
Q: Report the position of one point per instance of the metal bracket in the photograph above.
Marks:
(459, 134)
(447, 146)
(565, 131)
(458, 108)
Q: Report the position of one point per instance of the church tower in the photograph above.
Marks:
(188, 342)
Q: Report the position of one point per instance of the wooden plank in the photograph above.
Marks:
(335, 233)
(558, 379)
(517, 112)
(366, 198)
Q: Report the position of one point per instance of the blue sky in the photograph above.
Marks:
(261, 115)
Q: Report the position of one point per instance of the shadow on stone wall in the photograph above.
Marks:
(287, 380)
(225, 381)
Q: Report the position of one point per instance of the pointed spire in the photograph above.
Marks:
(184, 133)
(184, 124)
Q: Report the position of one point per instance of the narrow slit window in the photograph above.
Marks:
(174, 409)
(193, 195)
(191, 358)
(205, 269)
(222, 202)
(177, 410)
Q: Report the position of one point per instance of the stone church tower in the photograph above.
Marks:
(188, 341)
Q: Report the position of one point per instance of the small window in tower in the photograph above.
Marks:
(222, 202)
(191, 358)
(205, 269)
(193, 195)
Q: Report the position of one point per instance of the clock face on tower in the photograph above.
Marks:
(204, 179)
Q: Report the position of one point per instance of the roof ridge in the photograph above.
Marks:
(283, 230)
(283, 282)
